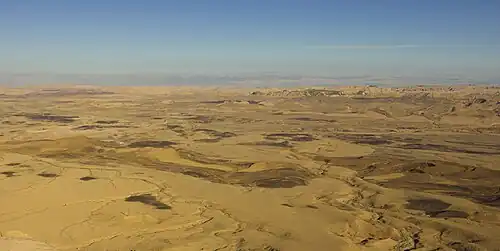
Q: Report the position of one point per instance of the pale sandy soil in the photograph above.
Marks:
(152, 168)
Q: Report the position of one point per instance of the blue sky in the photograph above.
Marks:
(300, 37)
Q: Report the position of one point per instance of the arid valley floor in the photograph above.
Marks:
(164, 168)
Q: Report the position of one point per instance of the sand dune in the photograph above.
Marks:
(351, 168)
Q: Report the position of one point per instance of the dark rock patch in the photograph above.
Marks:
(312, 206)
(368, 139)
(435, 208)
(148, 199)
(89, 127)
(475, 183)
(313, 119)
(373, 141)
(152, 143)
(177, 129)
(365, 241)
(290, 136)
(415, 167)
(488, 199)
(196, 174)
(281, 182)
(215, 133)
(285, 143)
(87, 178)
(448, 214)
(257, 93)
(101, 126)
(382, 112)
(214, 140)
(107, 122)
(214, 102)
(51, 118)
(14, 164)
(66, 92)
(286, 205)
(479, 101)
(202, 118)
(8, 173)
(427, 205)
(48, 175)
(275, 178)
(444, 148)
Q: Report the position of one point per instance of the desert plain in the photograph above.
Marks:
(247, 169)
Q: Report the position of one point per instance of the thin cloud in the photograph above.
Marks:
(364, 47)
(394, 46)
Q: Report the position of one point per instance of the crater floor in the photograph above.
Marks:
(178, 168)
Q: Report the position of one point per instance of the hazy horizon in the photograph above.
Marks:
(188, 42)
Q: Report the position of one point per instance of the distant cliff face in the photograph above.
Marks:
(300, 93)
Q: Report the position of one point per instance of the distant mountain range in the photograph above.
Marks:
(251, 80)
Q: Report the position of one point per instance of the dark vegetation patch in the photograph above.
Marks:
(8, 173)
(14, 164)
(286, 205)
(152, 143)
(312, 206)
(51, 118)
(290, 136)
(48, 175)
(148, 199)
(87, 178)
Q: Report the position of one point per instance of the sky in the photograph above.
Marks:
(327, 38)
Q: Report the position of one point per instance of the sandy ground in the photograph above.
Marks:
(153, 168)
